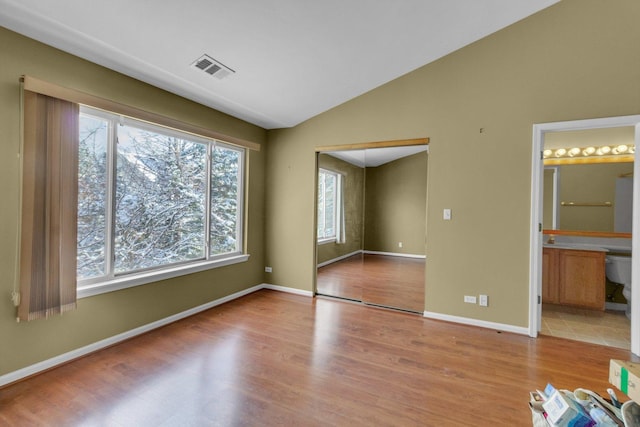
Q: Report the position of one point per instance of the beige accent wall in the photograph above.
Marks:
(590, 183)
(577, 59)
(395, 207)
(106, 315)
(353, 183)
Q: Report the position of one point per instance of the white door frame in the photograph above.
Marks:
(537, 175)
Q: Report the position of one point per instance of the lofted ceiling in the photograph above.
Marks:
(286, 60)
(373, 157)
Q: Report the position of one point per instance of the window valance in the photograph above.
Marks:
(55, 91)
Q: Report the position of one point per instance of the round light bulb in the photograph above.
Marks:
(622, 148)
(574, 151)
(547, 153)
(605, 149)
(560, 152)
(588, 151)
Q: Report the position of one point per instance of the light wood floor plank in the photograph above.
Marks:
(278, 359)
(388, 281)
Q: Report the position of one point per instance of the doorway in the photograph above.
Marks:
(370, 223)
(542, 132)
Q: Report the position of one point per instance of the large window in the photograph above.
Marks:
(151, 198)
(329, 205)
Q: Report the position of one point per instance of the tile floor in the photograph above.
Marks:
(610, 328)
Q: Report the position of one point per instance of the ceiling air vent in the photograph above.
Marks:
(212, 67)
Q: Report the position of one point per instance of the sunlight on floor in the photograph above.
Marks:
(610, 328)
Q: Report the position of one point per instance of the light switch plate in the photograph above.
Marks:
(446, 214)
(484, 300)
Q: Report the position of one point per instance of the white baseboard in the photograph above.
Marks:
(475, 322)
(107, 342)
(83, 351)
(340, 258)
(395, 254)
(287, 290)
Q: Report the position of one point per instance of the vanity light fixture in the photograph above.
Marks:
(620, 149)
(605, 150)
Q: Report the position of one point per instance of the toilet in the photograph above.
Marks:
(618, 270)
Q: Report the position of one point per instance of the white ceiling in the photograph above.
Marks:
(293, 59)
(373, 157)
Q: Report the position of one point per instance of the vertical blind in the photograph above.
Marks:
(49, 207)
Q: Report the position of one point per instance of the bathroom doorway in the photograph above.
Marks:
(584, 234)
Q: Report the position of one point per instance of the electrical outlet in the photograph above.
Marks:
(399, 244)
(268, 270)
(484, 300)
(469, 299)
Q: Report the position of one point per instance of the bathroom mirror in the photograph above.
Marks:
(588, 180)
(371, 210)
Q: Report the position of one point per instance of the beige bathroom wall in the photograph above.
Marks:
(589, 183)
(577, 59)
(395, 206)
(109, 314)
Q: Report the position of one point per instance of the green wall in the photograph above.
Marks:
(108, 314)
(387, 203)
(353, 183)
(577, 59)
(395, 207)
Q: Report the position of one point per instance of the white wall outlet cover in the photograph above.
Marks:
(446, 214)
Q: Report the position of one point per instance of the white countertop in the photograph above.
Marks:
(576, 246)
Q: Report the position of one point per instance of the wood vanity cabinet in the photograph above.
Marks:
(573, 277)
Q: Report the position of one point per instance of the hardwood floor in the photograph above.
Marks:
(272, 358)
(388, 281)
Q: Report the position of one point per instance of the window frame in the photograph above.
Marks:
(338, 184)
(111, 280)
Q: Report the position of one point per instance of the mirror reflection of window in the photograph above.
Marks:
(330, 206)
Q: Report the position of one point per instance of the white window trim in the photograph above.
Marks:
(96, 286)
(326, 240)
(131, 280)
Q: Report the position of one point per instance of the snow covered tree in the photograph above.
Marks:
(158, 199)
